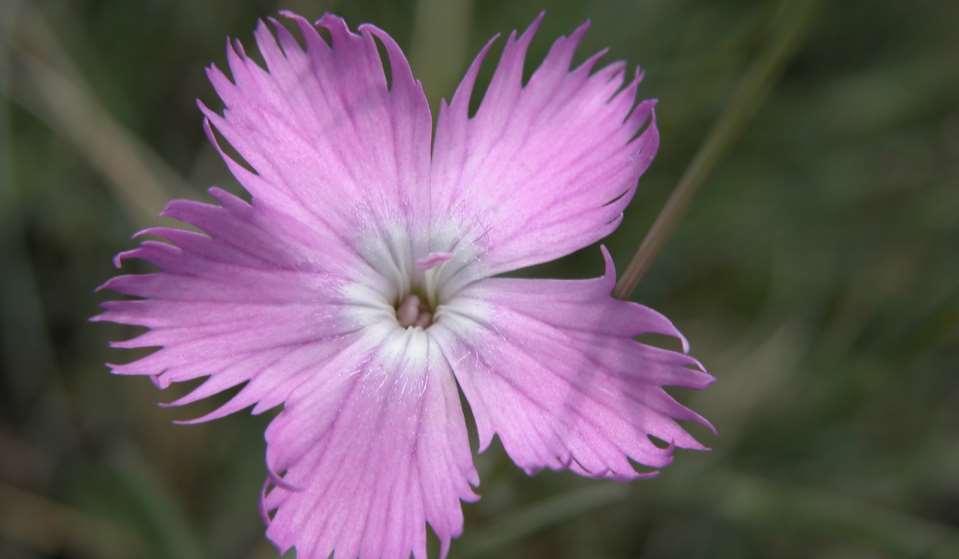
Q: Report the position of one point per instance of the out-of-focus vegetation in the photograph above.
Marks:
(816, 275)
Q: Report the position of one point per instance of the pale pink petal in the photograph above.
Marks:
(368, 451)
(542, 169)
(552, 367)
(246, 300)
(331, 139)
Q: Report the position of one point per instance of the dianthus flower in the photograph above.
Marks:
(358, 289)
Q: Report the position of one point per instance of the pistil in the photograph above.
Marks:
(412, 312)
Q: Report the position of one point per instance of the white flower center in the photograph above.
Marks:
(399, 287)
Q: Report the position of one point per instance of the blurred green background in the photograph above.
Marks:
(815, 275)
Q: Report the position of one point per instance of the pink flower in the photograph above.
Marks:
(358, 288)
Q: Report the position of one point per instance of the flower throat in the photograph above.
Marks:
(414, 310)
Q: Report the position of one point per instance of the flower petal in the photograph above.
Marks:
(331, 140)
(542, 169)
(244, 301)
(368, 451)
(552, 367)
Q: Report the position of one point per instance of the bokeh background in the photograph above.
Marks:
(815, 273)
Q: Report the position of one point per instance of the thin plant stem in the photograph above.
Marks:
(760, 78)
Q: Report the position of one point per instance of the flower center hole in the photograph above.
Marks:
(414, 310)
